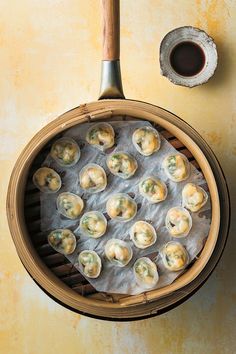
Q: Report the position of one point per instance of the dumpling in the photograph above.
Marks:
(47, 180)
(153, 189)
(101, 135)
(62, 240)
(122, 164)
(193, 197)
(178, 222)
(146, 140)
(65, 152)
(121, 207)
(70, 205)
(143, 234)
(93, 178)
(174, 256)
(145, 272)
(118, 252)
(93, 224)
(176, 167)
(90, 263)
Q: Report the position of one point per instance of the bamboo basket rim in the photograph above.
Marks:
(90, 112)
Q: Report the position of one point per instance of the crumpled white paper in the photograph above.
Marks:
(114, 279)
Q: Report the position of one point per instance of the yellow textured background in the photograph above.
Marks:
(50, 54)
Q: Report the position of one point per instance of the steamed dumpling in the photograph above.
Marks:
(65, 152)
(153, 189)
(143, 234)
(90, 263)
(101, 135)
(193, 197)
(93, 224)
(62, 240)
(146, 140)
(178, 222)
(122, 164)
(145, 272)
(176, 167)
(174, 256)
(70, 205)
(47, 180)
(121, 207)
(93, 178)
(118, 252)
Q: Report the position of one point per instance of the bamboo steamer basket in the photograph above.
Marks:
(52, 271)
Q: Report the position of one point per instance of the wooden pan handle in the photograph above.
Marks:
(111, 29)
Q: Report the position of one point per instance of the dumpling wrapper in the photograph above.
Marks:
(178, 222)
(145, 272)
(121, 207)
(118, 252)
(146, 140)
(70, 205)
(93, 224)
(193, 197)
(90, 263)
(63, 241)
(65, 152)
(93, 178)
(143, 234)
(177, 167)
(47, 180)
(101, 135)
(122, 164)
(174, 256)
(153, 189)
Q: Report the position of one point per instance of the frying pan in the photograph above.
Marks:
(51, 271)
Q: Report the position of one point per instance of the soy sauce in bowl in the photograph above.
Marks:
(187, 58)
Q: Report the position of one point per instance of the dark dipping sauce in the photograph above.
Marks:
(187, 58)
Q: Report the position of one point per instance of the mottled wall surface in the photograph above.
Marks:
(50, 62)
